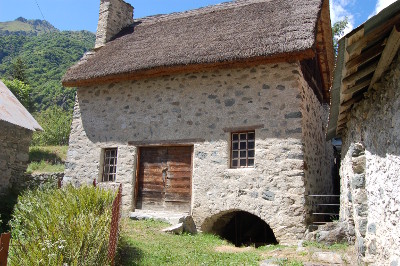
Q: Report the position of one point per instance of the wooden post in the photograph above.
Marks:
(4, 245)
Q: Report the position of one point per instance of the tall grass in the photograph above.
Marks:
(61, 226)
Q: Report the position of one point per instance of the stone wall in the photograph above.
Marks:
(318, 153)
(370, 183)
(14, 148)
(202, 106)
(114, 15)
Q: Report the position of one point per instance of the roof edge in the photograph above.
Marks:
(335, 91)
(178, 69)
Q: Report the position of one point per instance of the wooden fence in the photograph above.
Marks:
(4, 245)
(115, 219)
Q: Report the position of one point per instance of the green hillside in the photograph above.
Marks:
(22, 26)
(46, 57)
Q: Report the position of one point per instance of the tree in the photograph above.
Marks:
(338, 31)
(20, 90)
(56, 124)
(18, 70)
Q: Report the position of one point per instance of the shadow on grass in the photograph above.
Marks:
(8, 200)
(38, 155)
(128, 254)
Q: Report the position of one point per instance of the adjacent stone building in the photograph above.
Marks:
(212, 111)
(16, 128)
(365, 112)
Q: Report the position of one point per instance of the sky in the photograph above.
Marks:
(83, 14)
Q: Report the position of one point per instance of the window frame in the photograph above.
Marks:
(249, 160)
(107, 175)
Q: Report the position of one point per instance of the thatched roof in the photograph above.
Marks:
(12, 111)
(240, 31)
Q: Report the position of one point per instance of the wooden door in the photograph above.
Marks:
(164, 178)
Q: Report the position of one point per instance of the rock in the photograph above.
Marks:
(175, 229)
(272, 262)
(329, 233)
(188, 224)
(327, 257)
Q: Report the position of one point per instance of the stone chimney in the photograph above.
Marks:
(114, 15)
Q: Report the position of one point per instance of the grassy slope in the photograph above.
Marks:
(25, 26)
(47, 159)
(16, 26)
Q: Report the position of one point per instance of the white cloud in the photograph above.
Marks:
(380, 5)
(339, 11)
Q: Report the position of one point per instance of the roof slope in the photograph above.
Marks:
(231, 31)
(364, 55)
(12, 111)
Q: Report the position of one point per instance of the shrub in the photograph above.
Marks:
(61, 226)
(56, 124)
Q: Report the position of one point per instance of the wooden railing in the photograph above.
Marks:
(115, 219)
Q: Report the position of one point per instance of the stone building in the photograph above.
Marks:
(365, 113)
(215, 111)
(16, 128)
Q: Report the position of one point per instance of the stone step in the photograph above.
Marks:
(172, 218)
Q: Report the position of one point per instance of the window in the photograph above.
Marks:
(109, 165)
(242, 149)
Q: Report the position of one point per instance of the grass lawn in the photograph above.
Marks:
(47, 159)
(142, 243)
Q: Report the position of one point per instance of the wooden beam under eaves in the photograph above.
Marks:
(351, 79)
(365, 56)
(391, 48)
(358, 87)
(373, 35)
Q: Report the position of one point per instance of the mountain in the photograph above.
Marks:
(22, 26)
(46, 56)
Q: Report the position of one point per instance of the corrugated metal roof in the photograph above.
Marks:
(12, 111)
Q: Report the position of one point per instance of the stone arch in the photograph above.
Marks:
(240, 228)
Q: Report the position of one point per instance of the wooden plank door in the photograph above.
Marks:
(164, 178)
(151, 192)
(179, 174)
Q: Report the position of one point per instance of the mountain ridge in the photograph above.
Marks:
(46, 56)
(26, 27)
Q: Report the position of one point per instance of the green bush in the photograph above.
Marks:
(61, 226)
(56, 124)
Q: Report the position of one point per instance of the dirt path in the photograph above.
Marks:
(310, 255)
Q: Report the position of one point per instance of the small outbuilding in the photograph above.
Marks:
(365, 113)
(16, 128)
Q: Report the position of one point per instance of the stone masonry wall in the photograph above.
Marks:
(14, 147)
(318, 153)
(201, 106)
(114, 15)
(370, 170)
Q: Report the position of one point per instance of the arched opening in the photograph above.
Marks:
(241, 228)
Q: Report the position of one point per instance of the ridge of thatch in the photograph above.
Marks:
(228, 32)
